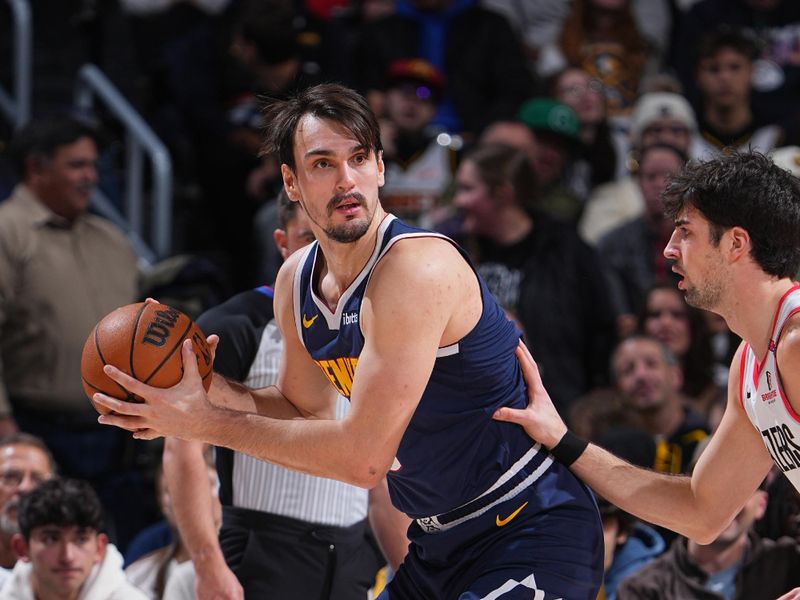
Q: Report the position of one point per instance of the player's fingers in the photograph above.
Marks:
(530, 370)
(190, 369)
(213, 342)
(134, 386)
(123, 422)
(150, 300)
(510, 415)
(122, 407)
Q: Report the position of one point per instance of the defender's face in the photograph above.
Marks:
(336, 179)
(697, 259)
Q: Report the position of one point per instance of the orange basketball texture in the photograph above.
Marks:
(143, 340)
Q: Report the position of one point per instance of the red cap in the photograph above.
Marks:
(418, 71)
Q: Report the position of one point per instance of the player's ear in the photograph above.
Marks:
(290, 183)
(381, 169)
(739, 242)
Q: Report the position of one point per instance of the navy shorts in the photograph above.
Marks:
(545, 543)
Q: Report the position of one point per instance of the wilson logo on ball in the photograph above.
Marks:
(159, 329)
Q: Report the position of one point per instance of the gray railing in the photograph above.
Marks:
(139, 140)
(16, 105)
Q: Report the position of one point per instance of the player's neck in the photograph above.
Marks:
(752, 312)
(343, 262)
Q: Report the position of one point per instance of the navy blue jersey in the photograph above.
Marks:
(452, 450)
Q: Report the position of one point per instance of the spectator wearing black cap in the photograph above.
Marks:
(420, 157)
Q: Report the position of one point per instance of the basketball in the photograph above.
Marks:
(143, 340)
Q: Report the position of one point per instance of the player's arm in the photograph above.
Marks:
(302, 390)
(408, 292)
(699, 507)
(186, 476)
(416, 288)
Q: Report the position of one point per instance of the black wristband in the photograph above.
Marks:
(569, 448)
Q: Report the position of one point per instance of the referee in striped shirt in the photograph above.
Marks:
(285, 534)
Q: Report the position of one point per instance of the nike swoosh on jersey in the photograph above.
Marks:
(309, 322)
(500, 522)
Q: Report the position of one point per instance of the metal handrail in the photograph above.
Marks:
(140, 138)
(16, 106)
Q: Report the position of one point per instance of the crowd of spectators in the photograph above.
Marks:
(538, 134)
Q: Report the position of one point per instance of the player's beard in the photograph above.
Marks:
(354, 229)
(706, 297)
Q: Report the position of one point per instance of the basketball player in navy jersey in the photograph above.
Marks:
(736, 245)
(395, 319)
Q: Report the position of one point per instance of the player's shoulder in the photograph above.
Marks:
(285, 277)
(423, 257)
(789, 345)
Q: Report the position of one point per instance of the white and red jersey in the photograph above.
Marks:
(764, 399)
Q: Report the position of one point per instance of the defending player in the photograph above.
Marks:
(737, 246)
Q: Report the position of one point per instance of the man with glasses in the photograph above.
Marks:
(25, 462)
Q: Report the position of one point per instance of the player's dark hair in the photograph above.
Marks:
(744, 190)
(329, 101)
(41, 138)
(498, 165)
(62, 503)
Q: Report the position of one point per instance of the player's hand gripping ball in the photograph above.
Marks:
(143, 340)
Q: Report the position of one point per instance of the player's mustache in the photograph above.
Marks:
(339, 198)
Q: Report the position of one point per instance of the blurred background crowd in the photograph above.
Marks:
(537, 133)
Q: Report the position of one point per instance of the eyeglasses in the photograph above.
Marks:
(14, 478)
(578, 89)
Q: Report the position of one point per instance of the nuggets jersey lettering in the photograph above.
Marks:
(452, 450)
(763, 397)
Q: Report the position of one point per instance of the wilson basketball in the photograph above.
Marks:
(143, 340)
